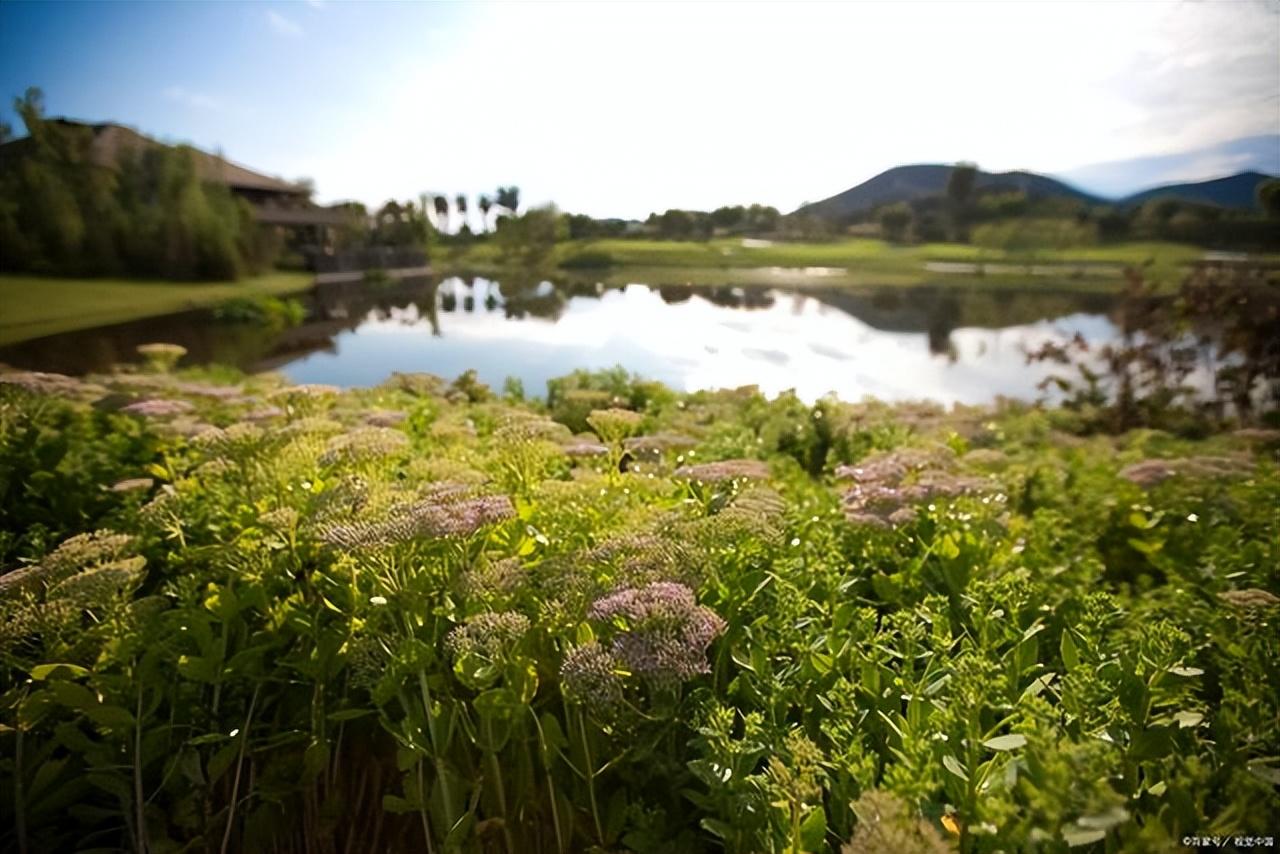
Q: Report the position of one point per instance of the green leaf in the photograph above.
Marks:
(1186, 719)
(813, 830)
(948, 548)
(1076, 836)
(349, 714)
(953, 765)
(315, 759)
(1012, 741)
(1070, 655)
(42, 672)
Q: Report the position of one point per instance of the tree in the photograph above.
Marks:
(442, 212)
(484, 204)
(529, 240)
(960, 185)
(460, 204)
(509, 199)
(895, 221)
(1269, 197)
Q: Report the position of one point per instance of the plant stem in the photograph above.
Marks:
(139, 801)
(590, 774)
(19, 810)
(235, 785)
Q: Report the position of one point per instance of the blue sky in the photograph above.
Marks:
(619, 109)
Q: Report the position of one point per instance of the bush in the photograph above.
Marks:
(589, 259)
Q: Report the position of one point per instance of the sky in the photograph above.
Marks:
(619, 109)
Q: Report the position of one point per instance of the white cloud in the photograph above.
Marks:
(282, 25)
(316, 4)
(192, 99)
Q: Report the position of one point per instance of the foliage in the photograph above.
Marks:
(1186, 363)
(266, 311)
(61, 213)
(529, 240)
(256, 617)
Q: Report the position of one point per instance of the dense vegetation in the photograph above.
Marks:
(244, 616)
(61, 213)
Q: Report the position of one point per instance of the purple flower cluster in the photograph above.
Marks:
(723, 471)
(364, 443)
(882, 497)
(590, 676)
(420, 519)
(664, 633)
(585, 448)
(488, 635)
(1149, 473)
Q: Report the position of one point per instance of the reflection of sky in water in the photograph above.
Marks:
(797, 342)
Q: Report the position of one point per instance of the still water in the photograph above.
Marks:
(940, 343)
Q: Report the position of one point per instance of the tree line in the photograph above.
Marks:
(63, 214)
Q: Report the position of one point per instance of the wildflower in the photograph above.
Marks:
(653, 447)
(176, 351)
(665, 632)
(886, 823)
(38, 382)
(417, 384)
(384, 417)
(881, 495)
(724, 471)
(1149, 473)
(73, 555)
(263, 413)
(489, 578)
(366, 443)
(1250, 599)
(96, 585)
(591, 676)
(280, 519)
(431, 518)
(581, 448)
(613, 425)
(213, 392)
(488, 635)
(378, 600)
(158, 408)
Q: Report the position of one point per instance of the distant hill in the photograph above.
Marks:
(1235, 191)
(906, 183)
(1120, 178)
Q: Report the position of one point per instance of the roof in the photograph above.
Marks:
(111, 142)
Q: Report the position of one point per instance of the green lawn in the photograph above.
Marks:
(865, 261)
(32, 306)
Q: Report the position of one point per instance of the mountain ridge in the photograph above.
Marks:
(922, 180)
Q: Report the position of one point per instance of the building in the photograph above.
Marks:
(305, 227)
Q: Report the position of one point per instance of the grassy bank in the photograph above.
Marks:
(448, 621)
(32, 306)
(852, 261)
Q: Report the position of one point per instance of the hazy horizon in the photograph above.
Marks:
(621, 109)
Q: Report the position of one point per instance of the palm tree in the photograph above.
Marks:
(442, 212)
(509, 198)
(460, 204)
(484, 205)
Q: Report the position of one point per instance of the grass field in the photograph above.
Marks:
(856, 261)
(32, 306)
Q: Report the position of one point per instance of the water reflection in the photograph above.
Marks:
(895, 343)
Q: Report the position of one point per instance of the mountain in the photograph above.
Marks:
(906, 183)
(1120, 178)
(1235, 191)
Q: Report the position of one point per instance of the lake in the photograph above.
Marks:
(945, 343)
